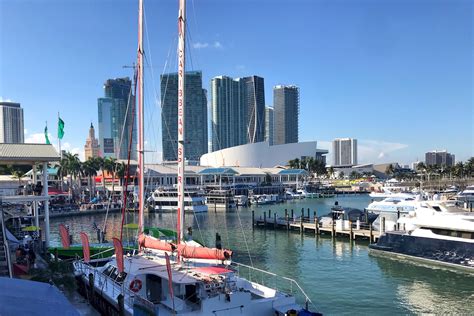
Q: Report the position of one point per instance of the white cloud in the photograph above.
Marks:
(199, 45)
(38, 138)
(218, 44)
(5, 100)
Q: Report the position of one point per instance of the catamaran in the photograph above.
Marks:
(180, 277)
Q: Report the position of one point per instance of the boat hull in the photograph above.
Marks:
(450, 253)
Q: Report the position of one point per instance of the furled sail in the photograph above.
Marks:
(192, 252)
(154, 243)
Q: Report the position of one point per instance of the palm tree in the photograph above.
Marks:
(120, 171)
(459, 170)
(341, 175)
(294, 163)
(18, 174)
(469, 166)
(331, 171)
(89, 169)
(390, 170)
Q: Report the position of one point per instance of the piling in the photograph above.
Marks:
(308, 214)
(382, 226)
(398, 217)
(287, 222)
(370, 234)
(470, 207)
(265, 219)
(333, 228)
(316, 229)
(366, 216)
(292, 215)
(269, 214)
(274, 220)
(286, 212)
(351, 236)
(253, 218)
(121, 305)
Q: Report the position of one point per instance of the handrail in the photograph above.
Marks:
(275, 275)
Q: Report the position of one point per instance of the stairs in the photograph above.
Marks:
(4, 256)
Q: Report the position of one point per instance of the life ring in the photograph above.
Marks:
(135, 285)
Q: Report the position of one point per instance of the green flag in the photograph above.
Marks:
(46, 135)
(60, 128)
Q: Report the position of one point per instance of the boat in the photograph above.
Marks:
(167, 201)
(306, 194)
(241, 200)
(221, 199)
(467, 195)
(183, 277)
(431, 234)
(388, 193)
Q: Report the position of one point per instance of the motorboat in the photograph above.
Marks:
(433, 234)
(167, 201)
(467, 195)
(222, 199)
(241, 200)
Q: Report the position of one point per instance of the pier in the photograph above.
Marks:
(306, 224)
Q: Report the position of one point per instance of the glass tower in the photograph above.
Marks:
(195, 125)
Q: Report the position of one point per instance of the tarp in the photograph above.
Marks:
(23, 297)
(64, 236)
(85, 247)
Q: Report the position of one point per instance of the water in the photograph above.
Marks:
(339, 276)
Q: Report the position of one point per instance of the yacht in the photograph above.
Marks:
(241, 200)
(167, 201)
(432, 233)
(307, 194)
(220, 199)
(467, 195)
(387, 193)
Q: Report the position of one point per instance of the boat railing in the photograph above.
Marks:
(273, 280)
(110, 286)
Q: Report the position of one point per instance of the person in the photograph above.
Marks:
(31, 257)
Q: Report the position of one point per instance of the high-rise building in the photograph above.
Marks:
(228, 121)
(254, 102)
(269, 127)
(91, 148)
(195, 114)
(116, 119)
(286, 104)
(440, 158)
(11, 123)
(344, 151)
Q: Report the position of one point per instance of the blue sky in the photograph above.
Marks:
(397, 75)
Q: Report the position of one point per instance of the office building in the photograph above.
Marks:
(286, 104)
(228, 121)
(195, 126)
(116, 119)
(269, 128)
(344, 152)
(11, 123)
(91, 148)
(439, 158)
(254, 104)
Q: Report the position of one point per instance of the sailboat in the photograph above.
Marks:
(181, 278)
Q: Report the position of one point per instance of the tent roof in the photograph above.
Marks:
(27, 154)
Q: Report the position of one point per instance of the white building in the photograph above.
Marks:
(344, 152)
(11, 123)
(262, 155)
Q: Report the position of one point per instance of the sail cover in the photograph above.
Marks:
(154, 243)
(204, 252)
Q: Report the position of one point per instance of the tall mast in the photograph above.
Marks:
(141, 153)
(181, 103)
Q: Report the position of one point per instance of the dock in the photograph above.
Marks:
(307, 224)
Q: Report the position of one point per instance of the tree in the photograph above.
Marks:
(354, 175)
(89, 169)
(18, 174)
(294, 163)
(459, 170)
(331, 171)
(390, 170)
(341, 175)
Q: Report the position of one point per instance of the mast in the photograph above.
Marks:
(141, 153)
(181, 103)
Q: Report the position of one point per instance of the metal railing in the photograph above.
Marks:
(271, 277)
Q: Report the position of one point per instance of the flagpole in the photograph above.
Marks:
(59, 142)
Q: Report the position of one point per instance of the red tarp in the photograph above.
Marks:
(85, 247)
(153, 243)
(212, 270)
(64, 236)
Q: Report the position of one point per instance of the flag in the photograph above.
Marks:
(118, 253)
(64, 236)
(60, 128)
(170, 274)
(85, 247)
(46, 135)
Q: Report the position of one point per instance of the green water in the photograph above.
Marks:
(340, 277)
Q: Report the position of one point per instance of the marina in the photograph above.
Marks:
(319, 263)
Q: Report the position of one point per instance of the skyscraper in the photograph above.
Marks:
(440, 158)
(344, 151)
(91, 148)
(228, 119)
(115, 120)
(286, 103)
(254, 102)
(269, 127)
(195, 125)
(11, 123)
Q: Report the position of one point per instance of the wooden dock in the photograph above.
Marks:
(307, 224)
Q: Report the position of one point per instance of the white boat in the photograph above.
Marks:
(306, 194)
(434, 234)
(167, 201)
(467, 195)
(241, 200)
(388, 193)
(180, 277)
(291, 195)
(221, 199)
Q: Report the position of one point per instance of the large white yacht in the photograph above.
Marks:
(432, 233)
(167, 201)
(467, 195)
